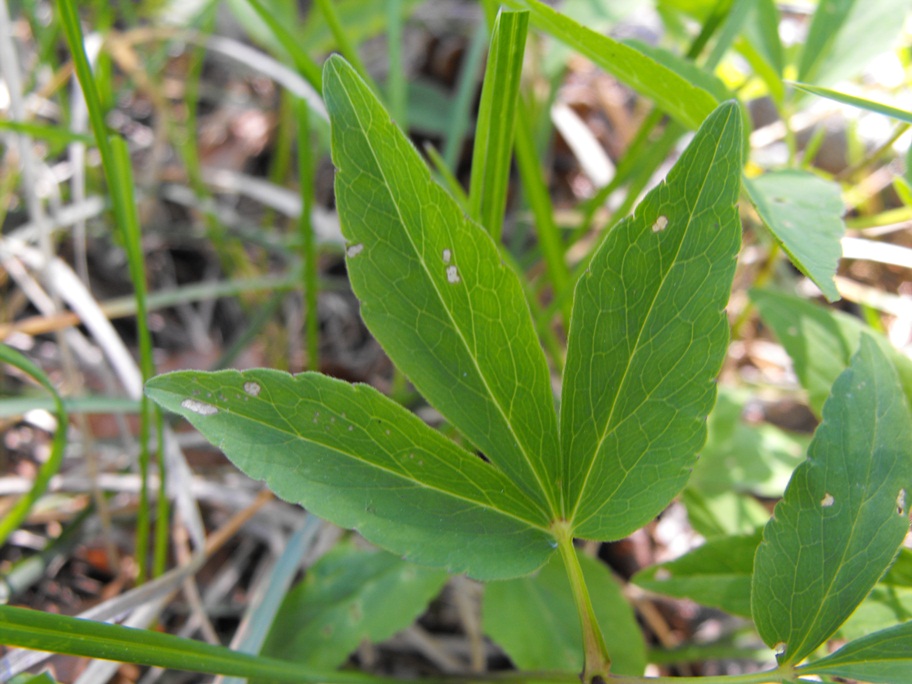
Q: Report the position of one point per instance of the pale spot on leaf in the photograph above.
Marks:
(354, 250)
(901, 502)
(252, 388)
(447, 256)
(827, 500)
(660, 224)
(200, 407)
(452, 274)
(780, 648)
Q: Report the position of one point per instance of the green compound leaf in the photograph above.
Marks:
(355, 457)
(436, 294)
(348, 596)
(535, 621)
(717, 574)
(647, 337)
(844, 514)
(804, 213)
(821, 342)
(883, 657)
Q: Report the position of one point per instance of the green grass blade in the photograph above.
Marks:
(60, 634)
(460, 113)
(116, 164)
(15, 515)
(496, 116)
(305, 230)
(844, 514)
(436, 293)
(121, 188)
(396, 84)
(647, 337)
(53, 134)
(344, 44)
(682, 100)
(355, 457)
(303, 62)
(860, 102)
(845, 35)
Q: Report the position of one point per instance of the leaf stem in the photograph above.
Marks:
(596, 661)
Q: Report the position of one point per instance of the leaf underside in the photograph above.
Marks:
(355, 457)
(647, 338)
(435, 293)
(882, 657)
(843, 516)
(648, 334)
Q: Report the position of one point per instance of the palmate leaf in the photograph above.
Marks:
(355, 457)
(436, 294)
(647, 337)
(844, 514)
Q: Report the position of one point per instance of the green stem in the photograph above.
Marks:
(596, 661)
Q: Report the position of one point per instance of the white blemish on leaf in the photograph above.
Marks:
(252, 388)
(200, 407)
(452, 275)
(663, 575)
(660, 224)
(901, 502)
(780, 648)
(354, 250)
(447, 255)
(827, 500)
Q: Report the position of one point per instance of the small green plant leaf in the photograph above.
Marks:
(884, 607)
(860, 102)
(804, 213)
(348, 596)
(355, 457)
(821, 342)
(673, 94)
(723, 514)
(435, 293)
(647, 337)
(717, 574)
(535, 621)
(742, 455)
(493, 148)
(883, 657)
(844, 514)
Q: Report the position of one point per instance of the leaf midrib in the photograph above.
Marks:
(608, 429)
(545, 490)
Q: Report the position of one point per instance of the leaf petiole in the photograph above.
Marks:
(596, 661)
